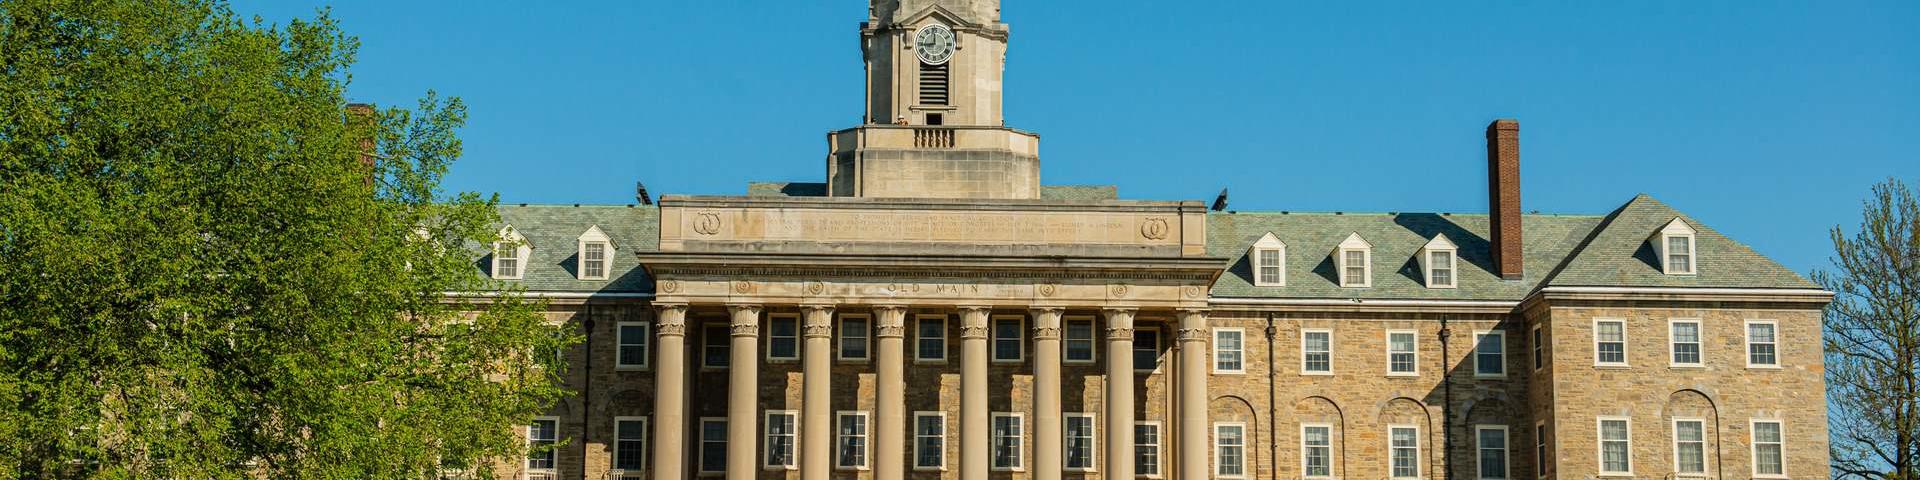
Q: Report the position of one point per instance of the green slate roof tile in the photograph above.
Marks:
(1621, 254)
(554, 233)
(1397, 239)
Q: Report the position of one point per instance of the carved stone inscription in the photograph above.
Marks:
(1004, 227)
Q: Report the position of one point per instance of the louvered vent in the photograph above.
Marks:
(933, 84)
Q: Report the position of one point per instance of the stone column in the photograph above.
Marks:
(890, 403)
(670, 390)
(816, 425)
(1193, 394)
(975, 459)
(1119, 392)
(1046, 394)
(743, 393)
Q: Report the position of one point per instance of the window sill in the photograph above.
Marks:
(1229, 372)
(923, 361)
(1489, 376)
(1316, 374)
(853, 361)
(929, 469)
(1686, 366)
(1008, 362)
(630, 368)
(1765, 367)
(782, 360)
(1078, 362)
(1612, 366)
(852, 469)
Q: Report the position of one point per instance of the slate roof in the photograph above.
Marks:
(554, 232)
(1561, 250)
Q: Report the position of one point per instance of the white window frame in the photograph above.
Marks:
(594, 236)
(920, 356)
(1747, 333)
(700, 454)
(1067, 340)
(521, 250)
(1269, 243)
(1506, 469)
(1415, 352)
(646, 430)
(1600, 445)
(1019, 452)
(1663, 245)
(1137, 348)
(1476, 353)
(1019, 338)
(1066, 438)
(1539, 348)
(1542, 462)
(621, 342)
(1439, 246)
(1753, 446)
(1699, 343)
(1418, 455)
(1705, 463)
(767, 436)
(1304, 332)
(1218, 465)
(1159, 459)
(1626, 343)
(553, 453)
(865, 436)
(771, 337)
(916, 436)
(709, 341)
(1328, 446)
(1354, 243)
(866, 338)
(1241, 353)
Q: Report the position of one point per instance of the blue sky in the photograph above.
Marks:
(1767, 120)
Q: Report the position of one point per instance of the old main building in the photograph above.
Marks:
(932, 310)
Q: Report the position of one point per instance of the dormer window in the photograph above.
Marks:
(510, 255)
(1675, 245)
(1269, 257)
(1440, 258)
(1354, 257)
(595, 254)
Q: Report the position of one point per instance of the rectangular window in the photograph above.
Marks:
(850, 440)
(1685, 336)
(1690, 446)
(1146, 449)
(1230, 450)
(1146, 349)
(854, 337)
(1441, 273)
(781, 438)
(713, 445)
(1079, 341)
(1403, 353)
(1228, 352)
(1008, 433)
(783, 337)
(1539, 348)
(633, 345)
(1009, 345)
(1541, 460)
(1079, 442)
(630, 444)
(1679, 254)
(542, 435)
(1316, 451)
(1491, 443)
(929, 440)
(506, 261)
(1768, 449)
(1316, 351)
(1616, 446)
(1610, 342)
(1761, 344)
(930, 338)
(1356, 269)
(1404, 443)
(1270, 266)
(715, 349)
(1490, 354)
(593, 260)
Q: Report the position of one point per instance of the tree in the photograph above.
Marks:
(210, 268)
(1873, 340)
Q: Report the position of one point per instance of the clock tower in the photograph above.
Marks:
(933, 126)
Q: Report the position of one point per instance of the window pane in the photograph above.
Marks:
(1227, 350)
(1689, 437)
(1006, 339)
(1760, 333)
(1079, 341)
(1319, 357)
(1490, 354)
(853, 338)
(629, 449)
(713, 446)
(1146, 449)
(1146, 349)
(633, 345)
(930, 441)
(1612, 331)
(1493, 453)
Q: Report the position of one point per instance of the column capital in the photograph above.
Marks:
(668, 306)
(746, 319)
(890, 308)
(1128, 311)
(1038, 311)
(819, 321)
(974, 309)
(1120, 333)
(738, 309)
(814, 307)
(1198, 335)
(670, 319)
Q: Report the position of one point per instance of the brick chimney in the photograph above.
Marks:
(361, 117)
(1503, 198)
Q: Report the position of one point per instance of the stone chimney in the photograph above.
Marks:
(1503, 198)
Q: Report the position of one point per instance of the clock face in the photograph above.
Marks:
(934, 44)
